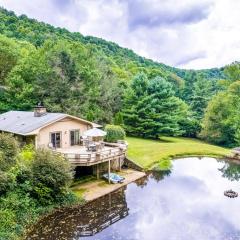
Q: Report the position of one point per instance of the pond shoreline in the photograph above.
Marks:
(147, 152)
(105, 188)
(94, 216)
(176, 157)
(98, 188)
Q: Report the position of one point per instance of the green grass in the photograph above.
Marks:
(79, 192)
(147, 152)
(83, 179)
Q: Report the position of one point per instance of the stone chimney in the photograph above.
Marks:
(40, 110)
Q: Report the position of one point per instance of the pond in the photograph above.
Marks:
(186, 203)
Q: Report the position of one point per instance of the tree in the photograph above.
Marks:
(201, 95)
(221, 122)
(151, 109)
(67, 77)
(190, 78)
(133, 95)
(232, 72)
(177, 82)
(118, 119)
(9, 53)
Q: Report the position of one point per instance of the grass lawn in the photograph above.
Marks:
(149, 152)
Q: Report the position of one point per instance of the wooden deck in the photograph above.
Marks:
(79, 156)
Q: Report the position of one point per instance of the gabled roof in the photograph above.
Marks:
(23, 123)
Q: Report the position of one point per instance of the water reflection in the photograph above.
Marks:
(160, 175)
(231, 171)
(84, 221)
(184, 204)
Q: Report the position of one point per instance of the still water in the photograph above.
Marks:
(186, 203)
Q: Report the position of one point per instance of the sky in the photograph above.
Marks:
(187, 34)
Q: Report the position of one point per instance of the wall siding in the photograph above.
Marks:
(64, 126)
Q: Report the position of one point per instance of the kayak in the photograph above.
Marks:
(114, 178)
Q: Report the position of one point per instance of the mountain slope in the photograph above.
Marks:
(126, 63)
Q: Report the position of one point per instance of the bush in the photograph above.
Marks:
(8, 151)
(27, 154)
(17, 211)
(6, 182)
(114, 133)
(51, 176)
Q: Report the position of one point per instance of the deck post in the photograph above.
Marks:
(97, 171)
(119, 162)
(36, 141)
(109, 169)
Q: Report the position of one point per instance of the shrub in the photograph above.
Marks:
(51, 176)
(6, 182)
(27, 153)
(114, 133)
(17, 211)
(8, 151)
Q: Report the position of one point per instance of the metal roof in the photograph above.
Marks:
(20, 122)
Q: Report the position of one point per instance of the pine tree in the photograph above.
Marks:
(151, 109)
(118, 119)
(202, 92)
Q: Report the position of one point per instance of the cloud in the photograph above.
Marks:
(60, 13)
(187, 33)
(143, 13)
(191, 57)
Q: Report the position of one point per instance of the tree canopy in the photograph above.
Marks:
(103, 82)
(221, 123)
(151, 109)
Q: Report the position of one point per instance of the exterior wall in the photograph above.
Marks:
(64, 126)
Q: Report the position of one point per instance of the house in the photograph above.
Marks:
(63, 134)
(44, 129)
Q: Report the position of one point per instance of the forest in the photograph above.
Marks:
(105, 83)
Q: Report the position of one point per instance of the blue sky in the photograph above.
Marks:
(182, 33)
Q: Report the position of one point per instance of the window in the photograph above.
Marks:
(74, 137)
(56, 139)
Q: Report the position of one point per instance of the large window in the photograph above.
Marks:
(56, 139)
(74, 137)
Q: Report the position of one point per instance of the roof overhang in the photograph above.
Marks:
(36, 131)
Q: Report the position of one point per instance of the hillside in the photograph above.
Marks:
(82, 75)
(24, 28)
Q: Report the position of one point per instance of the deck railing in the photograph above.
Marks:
(91, 158)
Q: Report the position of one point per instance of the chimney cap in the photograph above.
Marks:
(40, 110)
(40, 105)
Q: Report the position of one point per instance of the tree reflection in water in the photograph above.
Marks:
(231, 171)
(160, 175)
(156, 175)
(87, 220)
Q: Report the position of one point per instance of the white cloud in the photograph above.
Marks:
(187, 33)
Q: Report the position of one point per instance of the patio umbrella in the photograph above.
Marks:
(95, 132)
